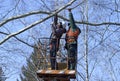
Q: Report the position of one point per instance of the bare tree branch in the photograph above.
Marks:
(45, 12)
(35, 23)
(21, 16)
(48, 13)
(104, 39)
(91, 24)
(18, 39)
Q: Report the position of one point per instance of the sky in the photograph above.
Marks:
(103, 40)
(18, 52)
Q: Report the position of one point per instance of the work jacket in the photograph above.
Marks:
(73, 31)
(71, 37)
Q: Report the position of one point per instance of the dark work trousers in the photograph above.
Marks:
(72, 56)
(53, 52)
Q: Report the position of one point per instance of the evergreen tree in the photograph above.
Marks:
(2, 76)
(33, 64)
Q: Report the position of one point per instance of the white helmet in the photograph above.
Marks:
(64, 24)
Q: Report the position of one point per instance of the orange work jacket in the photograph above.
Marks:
(72, 36)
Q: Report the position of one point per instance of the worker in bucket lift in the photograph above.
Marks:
(57, 31)
(71, 42)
